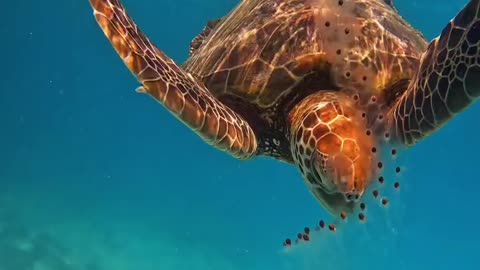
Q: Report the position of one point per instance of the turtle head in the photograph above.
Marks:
(332, 148)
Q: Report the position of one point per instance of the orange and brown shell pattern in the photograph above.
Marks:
(265, 56)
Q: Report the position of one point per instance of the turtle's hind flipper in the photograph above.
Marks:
(447, 82)
(177, 90)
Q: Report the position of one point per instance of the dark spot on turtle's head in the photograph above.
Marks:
(327, 24)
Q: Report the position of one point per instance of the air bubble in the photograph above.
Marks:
(384, 201)
(381, 179)
(362, 206)
(321, 224)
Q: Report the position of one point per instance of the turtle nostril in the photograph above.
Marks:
(349, 197)
(353, 196)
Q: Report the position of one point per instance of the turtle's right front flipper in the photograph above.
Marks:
(447, 82)
(177, 90)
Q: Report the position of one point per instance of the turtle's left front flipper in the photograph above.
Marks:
(178, 91)
(447, 82)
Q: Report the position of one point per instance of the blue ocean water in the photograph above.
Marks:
(96, 176)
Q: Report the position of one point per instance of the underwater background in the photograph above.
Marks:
(94, 176)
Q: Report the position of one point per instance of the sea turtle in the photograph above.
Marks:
(325, 85)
